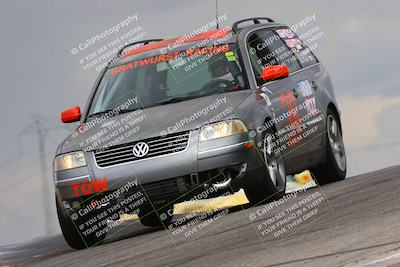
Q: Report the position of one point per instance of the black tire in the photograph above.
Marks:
(72, 235)
(153, 218)
(332, 170)
(263, 189)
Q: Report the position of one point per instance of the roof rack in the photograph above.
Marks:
(235, 26)
(144, 42)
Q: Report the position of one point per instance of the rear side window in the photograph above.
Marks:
(302, 52)
(266, 48)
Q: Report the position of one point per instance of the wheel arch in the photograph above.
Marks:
(332, 106)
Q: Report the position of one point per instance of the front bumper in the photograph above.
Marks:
(224, 163)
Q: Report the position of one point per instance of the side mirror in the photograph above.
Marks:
(274, 72)
(71, 115)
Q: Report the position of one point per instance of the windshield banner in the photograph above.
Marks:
(216, 49)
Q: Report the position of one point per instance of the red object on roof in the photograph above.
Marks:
(214, 34)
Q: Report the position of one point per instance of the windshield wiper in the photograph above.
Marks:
(112, 112)
(175, 100)
(100, 113)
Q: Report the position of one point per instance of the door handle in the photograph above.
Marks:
(295, 94)
(314, 86)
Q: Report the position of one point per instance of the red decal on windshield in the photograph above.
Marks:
(216, 49)
(144, 62)
(121, 68)
(213, 34)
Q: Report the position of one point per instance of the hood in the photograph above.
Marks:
(154, 121)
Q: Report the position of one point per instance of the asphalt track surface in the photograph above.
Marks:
(361, 227)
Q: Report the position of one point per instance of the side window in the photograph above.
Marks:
(302, 52)
(266, 48)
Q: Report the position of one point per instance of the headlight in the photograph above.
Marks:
(221, 129)
(69, 161)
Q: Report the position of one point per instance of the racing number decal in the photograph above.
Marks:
(289, 101)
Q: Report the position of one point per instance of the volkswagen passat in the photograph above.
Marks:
(195, 117)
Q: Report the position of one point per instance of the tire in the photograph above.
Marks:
(272, 183)
(153, 218)
(75, 238)
(335, 167)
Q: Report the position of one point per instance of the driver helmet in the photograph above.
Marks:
(218, 68)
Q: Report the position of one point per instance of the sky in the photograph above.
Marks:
(40, 77)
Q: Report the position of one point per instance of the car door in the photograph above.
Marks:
(285, 97)
(313, 78)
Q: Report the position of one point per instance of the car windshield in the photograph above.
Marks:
(169, 78)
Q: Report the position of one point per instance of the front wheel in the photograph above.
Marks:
(272, 184)
(334, 168)
(70, 229)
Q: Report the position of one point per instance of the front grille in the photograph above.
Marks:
(166, 189)
(158, 146)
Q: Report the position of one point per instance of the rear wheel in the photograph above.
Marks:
(272, 184)
(334, 168)
(70, 230)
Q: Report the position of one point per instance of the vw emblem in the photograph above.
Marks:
(140, 149)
